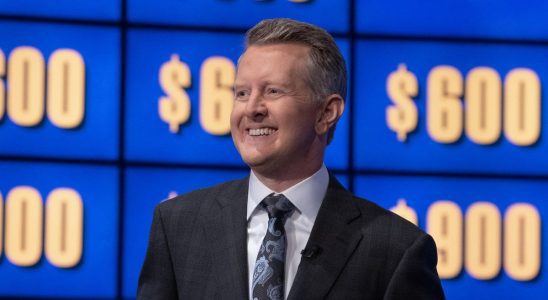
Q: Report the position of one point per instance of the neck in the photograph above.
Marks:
(281, 182)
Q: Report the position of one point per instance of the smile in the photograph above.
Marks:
(261, 131)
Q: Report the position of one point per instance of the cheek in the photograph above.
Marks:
(306, 126)
(305, 120)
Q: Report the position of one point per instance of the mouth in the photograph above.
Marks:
(261, 131)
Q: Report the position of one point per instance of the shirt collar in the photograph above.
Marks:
(307, 195)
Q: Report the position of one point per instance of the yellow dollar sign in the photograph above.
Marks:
(175, 108)
(402, 117)
(406, 212)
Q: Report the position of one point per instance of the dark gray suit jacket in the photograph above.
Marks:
(198, 250)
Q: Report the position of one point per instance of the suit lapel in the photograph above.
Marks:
(336, 237)
(227, 235)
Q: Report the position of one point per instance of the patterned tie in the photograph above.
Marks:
(268, 275)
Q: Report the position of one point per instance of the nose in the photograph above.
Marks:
(256, 107)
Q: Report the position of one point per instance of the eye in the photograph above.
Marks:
(274, 92)
(241, 94)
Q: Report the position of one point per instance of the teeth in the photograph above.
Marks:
(261, 131)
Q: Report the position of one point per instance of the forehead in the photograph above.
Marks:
(276, 60)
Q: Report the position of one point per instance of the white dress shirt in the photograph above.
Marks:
(307, 197)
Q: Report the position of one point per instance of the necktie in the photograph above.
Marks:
(268, 274)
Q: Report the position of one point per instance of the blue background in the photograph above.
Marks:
(95, 274)
(66, 9)
(97, 136)
(377, 59)
(508, 19)
(239, 13)
(123, 160)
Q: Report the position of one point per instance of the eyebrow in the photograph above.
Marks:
(284, 85)
(237, 86)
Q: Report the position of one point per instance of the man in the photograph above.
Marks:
(289, 230)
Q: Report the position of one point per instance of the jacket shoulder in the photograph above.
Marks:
(397, 229)
(192, 201)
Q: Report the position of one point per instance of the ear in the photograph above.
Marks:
(330, 112)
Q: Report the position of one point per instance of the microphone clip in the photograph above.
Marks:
(311, 252)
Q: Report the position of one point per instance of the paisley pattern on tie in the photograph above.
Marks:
(268, 274)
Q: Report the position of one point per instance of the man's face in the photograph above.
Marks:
(274, 115)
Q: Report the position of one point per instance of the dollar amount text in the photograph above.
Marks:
(480, 231)
(487, 109)
(26, 80)
(63, 232)
(216, 96)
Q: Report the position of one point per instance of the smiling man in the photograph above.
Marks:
(278, 124)
(289, 230)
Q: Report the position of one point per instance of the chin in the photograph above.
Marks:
(259, 164)
(253, 161)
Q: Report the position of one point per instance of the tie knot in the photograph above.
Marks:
(277, 206)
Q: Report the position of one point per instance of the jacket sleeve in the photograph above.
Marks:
(415, 276)
(157, 279)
